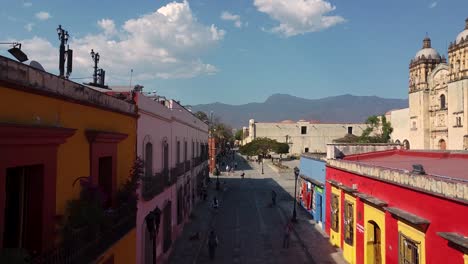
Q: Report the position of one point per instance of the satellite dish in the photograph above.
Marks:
(36, 65)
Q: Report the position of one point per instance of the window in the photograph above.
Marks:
(178, 152)
(148, 159)
(335, 212)
(406, 144)
(350, 130)
(303, 130)
(409, 250)
(349, 223)
(165, 156)
(306, 150)
(185, 150)
(193, 149)
(442, 102)
(105, 179)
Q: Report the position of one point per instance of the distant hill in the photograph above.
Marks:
(278, 107)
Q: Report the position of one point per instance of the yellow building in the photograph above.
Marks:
(58, 138)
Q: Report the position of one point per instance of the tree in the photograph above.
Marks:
(262, 147)
(239, 135)
(202, 116)
(281, 148)
(378, 130)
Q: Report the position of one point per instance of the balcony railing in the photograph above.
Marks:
(152, 186)
(85, 245)
(187, 165)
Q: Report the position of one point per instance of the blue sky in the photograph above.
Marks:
(239, 51)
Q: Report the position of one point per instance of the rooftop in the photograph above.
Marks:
(437, 163)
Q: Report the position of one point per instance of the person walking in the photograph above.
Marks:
(212, 244)
(273, 197)
(287, 234)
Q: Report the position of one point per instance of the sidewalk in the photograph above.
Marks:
(186, 249)
(311, 237)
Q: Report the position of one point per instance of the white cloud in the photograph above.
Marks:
(43, 15)
(29, 26)
(27, 4)
(299, 16)
(167, 43)
(107, 25)
(231, 17)
(433, 4)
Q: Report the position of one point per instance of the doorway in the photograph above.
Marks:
(167, 226)
(23, 208)
(442, 144)
(373, 243)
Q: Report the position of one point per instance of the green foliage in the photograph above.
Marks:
(202, 116)
(378, 130)
(263, 146)
(14, 256)
(239, 135)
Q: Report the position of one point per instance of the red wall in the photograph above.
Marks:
(444, 215)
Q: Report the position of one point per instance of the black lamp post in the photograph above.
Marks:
(216, 172)
(153, 220)
(63, 37)
(296, 174)
(262, 164)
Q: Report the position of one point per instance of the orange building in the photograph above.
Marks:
(54, 135)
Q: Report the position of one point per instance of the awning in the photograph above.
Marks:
(409, 217)
(455, 238)
(372, 200)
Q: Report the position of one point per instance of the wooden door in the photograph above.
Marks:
(377, 245)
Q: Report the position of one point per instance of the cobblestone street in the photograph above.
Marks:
(248, 228)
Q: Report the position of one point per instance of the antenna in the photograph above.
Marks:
(69, 53)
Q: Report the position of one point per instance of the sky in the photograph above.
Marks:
(237, 51)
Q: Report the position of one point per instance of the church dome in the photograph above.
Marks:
(463, 34)
(427, 51)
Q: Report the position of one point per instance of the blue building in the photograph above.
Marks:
(312, 187)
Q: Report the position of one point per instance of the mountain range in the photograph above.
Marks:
(278, 107)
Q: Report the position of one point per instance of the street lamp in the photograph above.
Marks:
(296, 174)
(262, 164)
(153, 220)
(16, 51)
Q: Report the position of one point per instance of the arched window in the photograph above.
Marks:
(406, 144)
(397, 141)
(442, 145)
(149, 159)
(442, 101)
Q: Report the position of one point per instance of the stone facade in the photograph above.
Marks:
(437, 99)
(302, 136)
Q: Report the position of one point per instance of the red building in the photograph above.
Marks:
(399, 207)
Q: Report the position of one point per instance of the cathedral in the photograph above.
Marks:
(438, 99)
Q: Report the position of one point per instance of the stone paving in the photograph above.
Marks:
(249, 229)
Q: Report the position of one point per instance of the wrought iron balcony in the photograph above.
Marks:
(86, 245)
(152, 186)
(187, 165)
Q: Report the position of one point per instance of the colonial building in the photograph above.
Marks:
(173, 144)
(399, 206)
(438, 96)
(302, 136)
(59, 139)
(312, 187)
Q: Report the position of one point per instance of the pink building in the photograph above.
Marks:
(173, 145)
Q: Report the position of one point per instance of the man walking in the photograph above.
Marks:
(287, 234)
(212, 244)
(273, 198)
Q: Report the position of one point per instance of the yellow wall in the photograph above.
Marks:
(124, 252)
(73, 157)
(373, 214)
(465, 257)
(335, 237)
(349, 252)
(416, 236)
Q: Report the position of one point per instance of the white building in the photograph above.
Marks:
(302, 136)
(438, 96)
